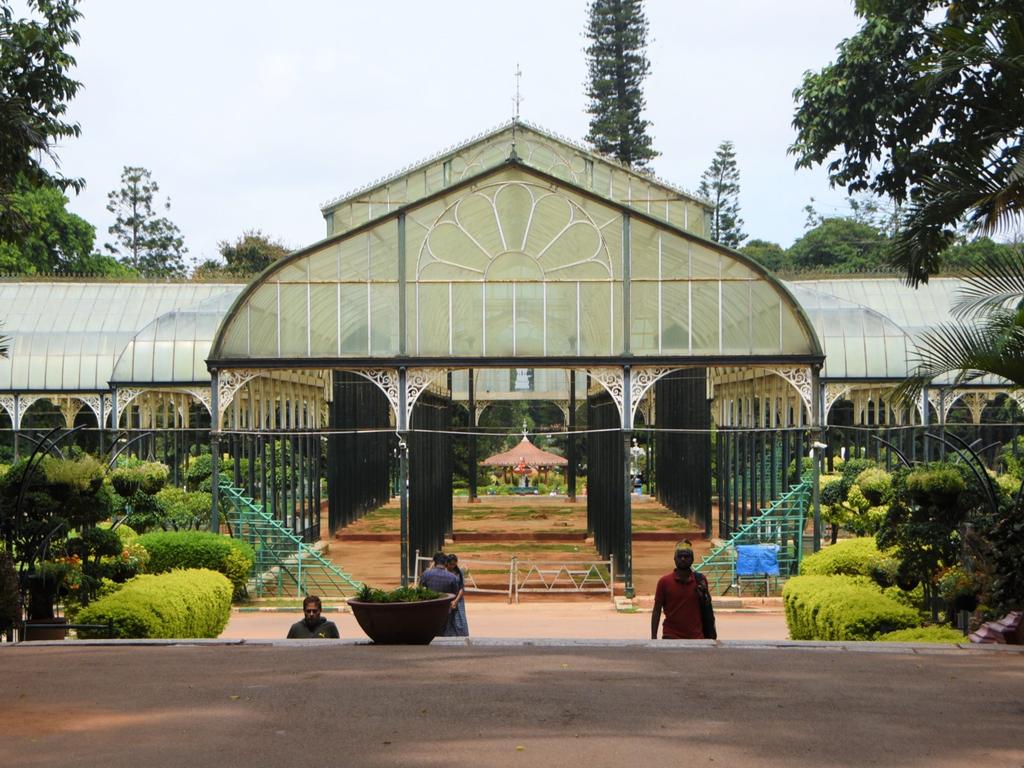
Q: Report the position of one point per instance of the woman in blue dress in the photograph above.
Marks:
(458, 625)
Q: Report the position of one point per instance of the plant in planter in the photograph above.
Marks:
(403, 616)
(39, 508)
(959, 588)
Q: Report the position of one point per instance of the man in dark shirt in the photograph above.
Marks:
(439, 578)
(684, 596)
(313, 625)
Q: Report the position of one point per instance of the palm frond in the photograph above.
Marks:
(997, 284)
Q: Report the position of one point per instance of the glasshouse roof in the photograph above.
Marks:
(514, 264)
(67, 336)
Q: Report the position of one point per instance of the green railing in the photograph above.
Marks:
(782, 524)
(285, 566)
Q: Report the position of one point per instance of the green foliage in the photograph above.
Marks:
(9, 607)
(1005, 536)
(616, 67)
(720, 184)
(956, 582)
(923, 104)
(143, 240)
(938, 635)
(849, 557)
(840, 245)
(179, 604)
(249, 255)
(34, 93)
(771, 256)
(146, 477)
(1011, 457)
(841, 608)
(183, 510)
(370, 594)
(200, 549)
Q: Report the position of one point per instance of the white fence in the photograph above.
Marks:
(520, 576)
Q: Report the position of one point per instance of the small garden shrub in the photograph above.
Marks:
(188, 603)
(370, 594)
(146, 477)
(200, 549)
(849, 557)
(924, 635)
(841, 608)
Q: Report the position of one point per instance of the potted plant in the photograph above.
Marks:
(403, 616)
(959, 588)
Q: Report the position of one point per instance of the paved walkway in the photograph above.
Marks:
(499, 703)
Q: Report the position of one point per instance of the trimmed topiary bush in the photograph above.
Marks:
(188, 603)
(849, 557)
(924, 635)
(841, 608)
(200, 549)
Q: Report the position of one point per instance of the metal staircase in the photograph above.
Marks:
(782, 523)
(285, 565)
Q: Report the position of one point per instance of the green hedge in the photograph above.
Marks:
(944, 635)
(200, 549)
(849, 557)
(191, 603)
(841, 608)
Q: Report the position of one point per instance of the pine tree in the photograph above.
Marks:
(721, 185)
(617, 65)
(144, 241)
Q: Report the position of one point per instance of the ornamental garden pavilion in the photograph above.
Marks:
(517, 251)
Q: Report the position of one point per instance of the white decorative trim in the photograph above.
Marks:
(937, 402)
(563, 406)
(975, 402)
(612, 380)
(834, 392)
(417, 380)
(641, 379)
(386, 380)
(69, 408)
(124, 397)
(647, 408)
(481, 406)
(229, 381)
(204, 396)
(800, 380)
(7, 403)
(95, 404)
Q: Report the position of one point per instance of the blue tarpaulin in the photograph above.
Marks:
(757, 559)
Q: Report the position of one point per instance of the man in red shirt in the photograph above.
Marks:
(684, 596)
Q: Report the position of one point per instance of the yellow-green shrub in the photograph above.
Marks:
(200, 549)
(924, 635)
(841, 608)
(849, 557)
(189, 603)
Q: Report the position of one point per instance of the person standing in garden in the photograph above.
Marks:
(313, 625)
(685, 598)
(439, 578)
(458, 624)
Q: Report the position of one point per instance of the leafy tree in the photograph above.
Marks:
(55, 240)
(143, 240)
(34, 94)
(972, 254)
(925, 106)
(250, 254)
(771, 256)
(720, 184)
(841, 245)
(616, 67)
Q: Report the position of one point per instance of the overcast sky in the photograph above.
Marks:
(251, 114)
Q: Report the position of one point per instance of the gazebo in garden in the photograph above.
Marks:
(525, 456)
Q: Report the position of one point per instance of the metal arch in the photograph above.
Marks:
(229, 381)
(386, 380)
(417, 380)
(613, 380)
(95, 404)
(800, 380)
(203, 396)
(641, 379)
(8, 404)
(834, 393)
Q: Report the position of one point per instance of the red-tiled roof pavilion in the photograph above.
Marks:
(527, 454)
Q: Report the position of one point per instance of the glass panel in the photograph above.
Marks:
(323, 311)
(467, 319)
(323, 265)
(675, 318)
(561, 325)
(705, 317)
(499, 319)
(704, 262)
(293, 272)
(675, 257)
(736, 330)
(353, 308)
(294, 319)
(384, 320)
(384, 251)
(764, 309)
(163, 361)
(183, 368)
(262, 323)
(644, 250)
(433, 319)
(142, 362)
(643, 306)
(794, 339)
(529, 319)
(595, 319)
(353, 259)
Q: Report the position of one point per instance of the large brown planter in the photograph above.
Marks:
(414, 623)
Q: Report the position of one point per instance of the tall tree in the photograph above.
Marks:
(770, 255)
(925, 105)
(34, 93)
(617, 65)
(251, 253)
(840, 245)
(143, 240)
(721, 185)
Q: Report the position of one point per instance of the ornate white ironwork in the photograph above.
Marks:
(641, 379)
(69, 408)
(124, 397)
(95, 404)
(563, 406)
(938, 402)
(417, 380)
(229, 381)
(481, 406)
(647, 408)
(386, 380)
(800, 380)
(975, 402)
(7, 403)
(613, 381)
(204, 396)
(834, 392)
